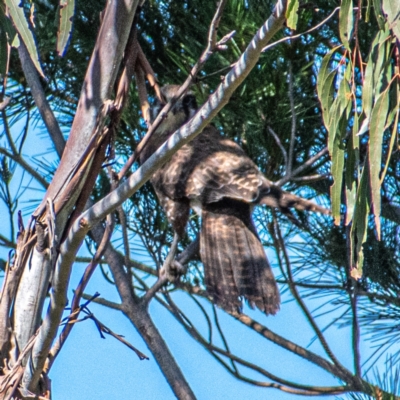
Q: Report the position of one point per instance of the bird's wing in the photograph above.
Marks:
(210, 168)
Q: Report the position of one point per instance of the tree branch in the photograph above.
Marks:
(32, 77)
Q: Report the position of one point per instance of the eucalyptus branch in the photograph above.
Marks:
(223, 338)
(340, 373)
(311, 178)
(41, 102)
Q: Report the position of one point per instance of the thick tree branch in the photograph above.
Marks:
(33, 79)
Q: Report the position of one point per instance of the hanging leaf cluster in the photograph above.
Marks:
(359, 95)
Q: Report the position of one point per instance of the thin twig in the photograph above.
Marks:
(289, 164)
(282, 383)
(311, 178)
(296, 295)
(279, 143)
(302, 167)
(103, 329)
(285, 39)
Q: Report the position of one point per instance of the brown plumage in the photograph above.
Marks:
(214, 176)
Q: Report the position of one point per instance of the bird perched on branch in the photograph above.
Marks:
(213, 176)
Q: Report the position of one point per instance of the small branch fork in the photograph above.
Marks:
(57, 346)
(72, 319)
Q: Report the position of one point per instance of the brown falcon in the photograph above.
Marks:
(213, 175)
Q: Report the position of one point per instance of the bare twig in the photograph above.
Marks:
(279, 143)
(282, 384)
(300, 302)
(311, 178)
(289, 164)
(103, 329)
(355, 330)
(314, 28)
(302, 167)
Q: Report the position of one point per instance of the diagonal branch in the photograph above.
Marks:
(32, 77)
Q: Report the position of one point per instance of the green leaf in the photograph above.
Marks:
(6, 24)
(291, 14)
(393, 114)
(337, 175)
(340, 104)
(325, 87)
(378, 120)
(67, 9)
(21, 24)
(358, 232)
(373, 73)
(381, 62)
(352, 161)
(378, 13)
(392, 10)
(4, 53)
(346, 22)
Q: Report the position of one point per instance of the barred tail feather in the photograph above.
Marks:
(234, 260)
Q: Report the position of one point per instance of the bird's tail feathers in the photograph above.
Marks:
(234, 259)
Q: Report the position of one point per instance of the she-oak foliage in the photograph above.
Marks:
(319, 113)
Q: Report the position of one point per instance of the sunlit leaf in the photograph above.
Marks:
(291, 14)
(378, 121)
(351, 171)
(358, 233)
(394, 114)
(67, 8)
(337, 175)
(378, 13)
(346, 22)
(21, 24)
(325, 86)
(373, 73)
(392, 10)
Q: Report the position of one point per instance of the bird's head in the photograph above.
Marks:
(182, 111)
